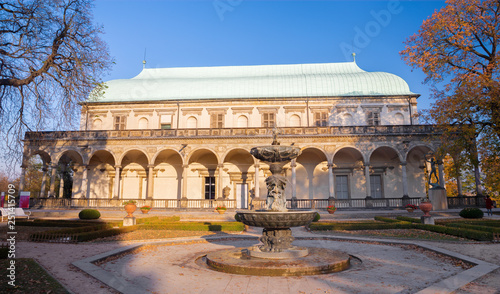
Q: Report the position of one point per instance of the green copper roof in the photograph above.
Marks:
(260, 81)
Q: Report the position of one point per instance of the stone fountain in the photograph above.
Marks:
(276, 256)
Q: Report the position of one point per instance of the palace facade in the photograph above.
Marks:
(184, 134)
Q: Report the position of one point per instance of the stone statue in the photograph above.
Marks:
(276, 200)
(226, 192)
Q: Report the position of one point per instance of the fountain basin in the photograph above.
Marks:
(275, 219)
(275, 153)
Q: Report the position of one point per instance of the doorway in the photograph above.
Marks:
(242, 196)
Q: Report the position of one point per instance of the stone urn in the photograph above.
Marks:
(425, 206)
(130, 208)
(331, 209)
(410, 210)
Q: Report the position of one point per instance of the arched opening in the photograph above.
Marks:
(385, 174)
(242, 121)
(349, 178)
(202, 176)
(134, 175)
(347, 119)
(238, 177)
(167, 175)
(192, 123)
(294, 121)
(97, 124)
(69, 175)
(143, 123)
(416, 171)
(311, 175)
(101, 175)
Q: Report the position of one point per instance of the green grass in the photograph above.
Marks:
(30, 277)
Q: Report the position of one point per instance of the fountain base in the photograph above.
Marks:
(318, 261)
(292, 252)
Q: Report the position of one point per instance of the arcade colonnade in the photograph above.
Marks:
(195, 172)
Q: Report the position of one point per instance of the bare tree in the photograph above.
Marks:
(51, 58)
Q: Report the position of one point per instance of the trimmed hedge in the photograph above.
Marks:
(53, 223)
(458, 232)
(157, 219)
(89, 214)
(358, 226)
(409, 219)
(89, 236)
(196, 226)
(386, 219)
(474, 227)
(471, 212)
(317, 217)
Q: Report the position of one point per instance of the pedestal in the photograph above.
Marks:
(437, 196)
(129, 221)
(427, 220)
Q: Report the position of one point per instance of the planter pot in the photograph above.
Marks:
(425, 207)
(130, 208)
(331, 211)
(410, 210)
(220, 211)
(144, 210)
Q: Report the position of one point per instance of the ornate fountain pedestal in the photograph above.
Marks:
(277, 256)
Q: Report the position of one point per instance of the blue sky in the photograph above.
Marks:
(254, 32)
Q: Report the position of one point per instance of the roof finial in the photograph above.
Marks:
(144, 60)
(353, 57)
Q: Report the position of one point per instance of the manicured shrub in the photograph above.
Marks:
(237, 218)
(386, 219)
(471, 212)
(409, 219)
(317, 217)
(195, 226)
(89, 214)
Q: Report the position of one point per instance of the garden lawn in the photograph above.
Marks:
(30, 278)
(397, 234)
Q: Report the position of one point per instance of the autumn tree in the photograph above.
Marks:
(457, 49)
(51, 57)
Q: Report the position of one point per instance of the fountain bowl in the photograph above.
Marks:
(277, 219)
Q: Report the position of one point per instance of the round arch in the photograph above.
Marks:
(167, 174)
(311, 174)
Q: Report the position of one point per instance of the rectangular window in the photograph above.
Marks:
(268, 120)
(217, 120)
(373, 118)
(321, 119)
(341, 187)
(120, 122)
(209, 187)
(166, 126)
(376, 186)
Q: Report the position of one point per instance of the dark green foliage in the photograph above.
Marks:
(409, 219)
(358, 226)
(89, 214)
(386, 219)
(89, 236)
(474, 227)
(471, 212)
(53, 223)
(317, 217)
(196, 226)
(459, 232)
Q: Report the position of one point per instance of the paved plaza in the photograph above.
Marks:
(379, 265)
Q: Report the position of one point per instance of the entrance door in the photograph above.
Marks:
(242, 196)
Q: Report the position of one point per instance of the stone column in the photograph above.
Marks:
(257, 181)
(405, 178)
(219, 182)
(150, 181)
(84, 182)
(52, 180)
(331, 181)
(61, 187)
(22, 179)
(116, 186)
(293, 164)
(44, 181)
(184, 180)
(441, 173)
(367, 176)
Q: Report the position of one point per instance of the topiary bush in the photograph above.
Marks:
(317, 217)
(89, 214)
(471, 212)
